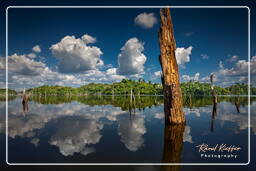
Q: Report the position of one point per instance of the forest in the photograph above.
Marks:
(137, 87)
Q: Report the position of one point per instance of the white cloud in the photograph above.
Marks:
(75, 55)
(131, 60)
(36, 49)
(238, 73)
(158, 73)
(32, 55)
(204, 56)
(146, 20)
(23, 65)
(187, 78)
(233, 58)
(88, 39)
(183, 55)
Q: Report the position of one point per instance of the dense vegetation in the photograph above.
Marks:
(140, 87)
(10, 92)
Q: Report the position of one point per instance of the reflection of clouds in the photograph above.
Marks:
(186, 135)
(159, 115)
(35, 141)
(73, 134)
(227, 112)
(77, 125)
(198, 111)
(131, 128)
(40, 114)
(22, 126)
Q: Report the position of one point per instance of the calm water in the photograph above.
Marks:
(111, 130)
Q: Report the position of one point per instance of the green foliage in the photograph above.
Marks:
(10, 92)
(140, 87)
(201, 89)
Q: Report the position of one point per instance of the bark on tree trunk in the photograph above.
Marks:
(170, 73)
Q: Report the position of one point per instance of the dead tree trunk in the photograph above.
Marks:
(170, 73)
(214, 94)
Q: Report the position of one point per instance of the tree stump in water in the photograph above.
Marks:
(173, 106)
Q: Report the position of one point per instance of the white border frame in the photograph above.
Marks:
(249, 81)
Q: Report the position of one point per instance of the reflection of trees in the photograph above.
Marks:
(25, 106)
(3, 98)
(173, 143)
(237, 104)
(214, 114)
(117, 101)
(140, 102)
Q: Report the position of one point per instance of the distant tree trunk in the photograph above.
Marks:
(214, 94)
(170, 73)
(173, 143)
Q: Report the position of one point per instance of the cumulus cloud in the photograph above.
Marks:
(88, 39)
(75, 55)
(25, 72)
(21, 64)
(187, 78)
(131, 60)
(183, 55)
(146, 20)
(36, 49)
(237, 73)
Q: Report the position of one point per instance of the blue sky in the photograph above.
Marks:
(210, 41)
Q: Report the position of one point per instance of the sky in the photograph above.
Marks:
(73, 47)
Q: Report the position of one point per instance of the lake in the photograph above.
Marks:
(113, 129)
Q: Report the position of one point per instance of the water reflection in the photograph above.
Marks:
(74, 134)
(131, 128)
(237, 104)
(173, 143)
(214, 114)
(25, 106)
(82, 127)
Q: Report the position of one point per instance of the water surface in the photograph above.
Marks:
(112, 129)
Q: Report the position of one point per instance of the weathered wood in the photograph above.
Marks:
(214, 101)
(170, 73)
(25, 98)
(173, 143)
(214, 94)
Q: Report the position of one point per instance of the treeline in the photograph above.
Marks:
(137, 88)
(125, 87)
